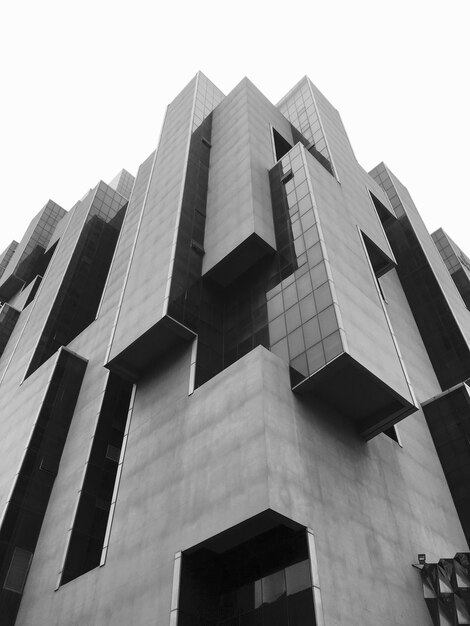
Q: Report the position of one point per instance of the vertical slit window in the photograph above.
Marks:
(91, 520)
(27, 506)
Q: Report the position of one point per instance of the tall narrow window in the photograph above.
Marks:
(27, 505)
(91, 519)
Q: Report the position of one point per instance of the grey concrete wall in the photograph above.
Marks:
(243, 442)
(239, 201)
(153, 219)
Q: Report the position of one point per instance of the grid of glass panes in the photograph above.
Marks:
(446, 251)
(125, 184)
(29, 263)
(300, 109)
(207, 98)
(8, 318)
(6, 256)
(381, 176)
(80, 292)
(303, 317)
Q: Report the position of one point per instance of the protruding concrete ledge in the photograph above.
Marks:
(354, 391)
(138, 356)
(239, 260)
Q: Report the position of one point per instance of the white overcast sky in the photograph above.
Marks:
(85, 85)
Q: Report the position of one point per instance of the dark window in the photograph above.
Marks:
(27, 505)
(265, 580)
(89, 528)
(281, 145)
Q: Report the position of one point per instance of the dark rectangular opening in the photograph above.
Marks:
(263, 579)
(27, 506)
(281, 145)
(91, 519)
(79, 295)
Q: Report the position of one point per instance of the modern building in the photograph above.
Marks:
(232, 390)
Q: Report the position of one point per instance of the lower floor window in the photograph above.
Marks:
(263, 581)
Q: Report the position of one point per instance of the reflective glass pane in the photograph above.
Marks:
(298, 577)
(274, 586)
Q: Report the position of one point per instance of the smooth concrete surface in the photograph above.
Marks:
(239, 201)
(196, 465)
(153, 221)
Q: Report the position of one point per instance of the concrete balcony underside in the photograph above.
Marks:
(244, 256)
(132, 362)
(354, 391)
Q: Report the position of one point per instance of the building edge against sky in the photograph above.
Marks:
(234, 387)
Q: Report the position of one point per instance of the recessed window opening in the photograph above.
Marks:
(89, 528)
(385, 214)
(281, 145)
(265, 579)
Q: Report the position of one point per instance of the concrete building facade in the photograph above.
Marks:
(224, 387)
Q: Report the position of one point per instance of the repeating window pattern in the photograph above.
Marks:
(6, 256)
(304, 326)
(26, 262)
(299, 107)
(208, 97)
(381, 176)
(79, 295)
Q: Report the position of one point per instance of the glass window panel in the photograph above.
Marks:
(308, 218)
(333, 346)
(302, 260)
(304, 285)
(254, 618)
(302, 189)
(275, 613)
(298, 577)
(315, 254)
(311, 332)
(300, 364)
(323, 297)
(246, 598)
(280, 349)
(327, 320)
(296, 229)
(305, 204)
(301, 609)
(318, 275)
(296, 343)
(275, 306)
(274, 586)
(277, 329)
(307, 306)
(311, 236)
(290, 296)
(315, 358)
(293, 318)
(299, 245)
